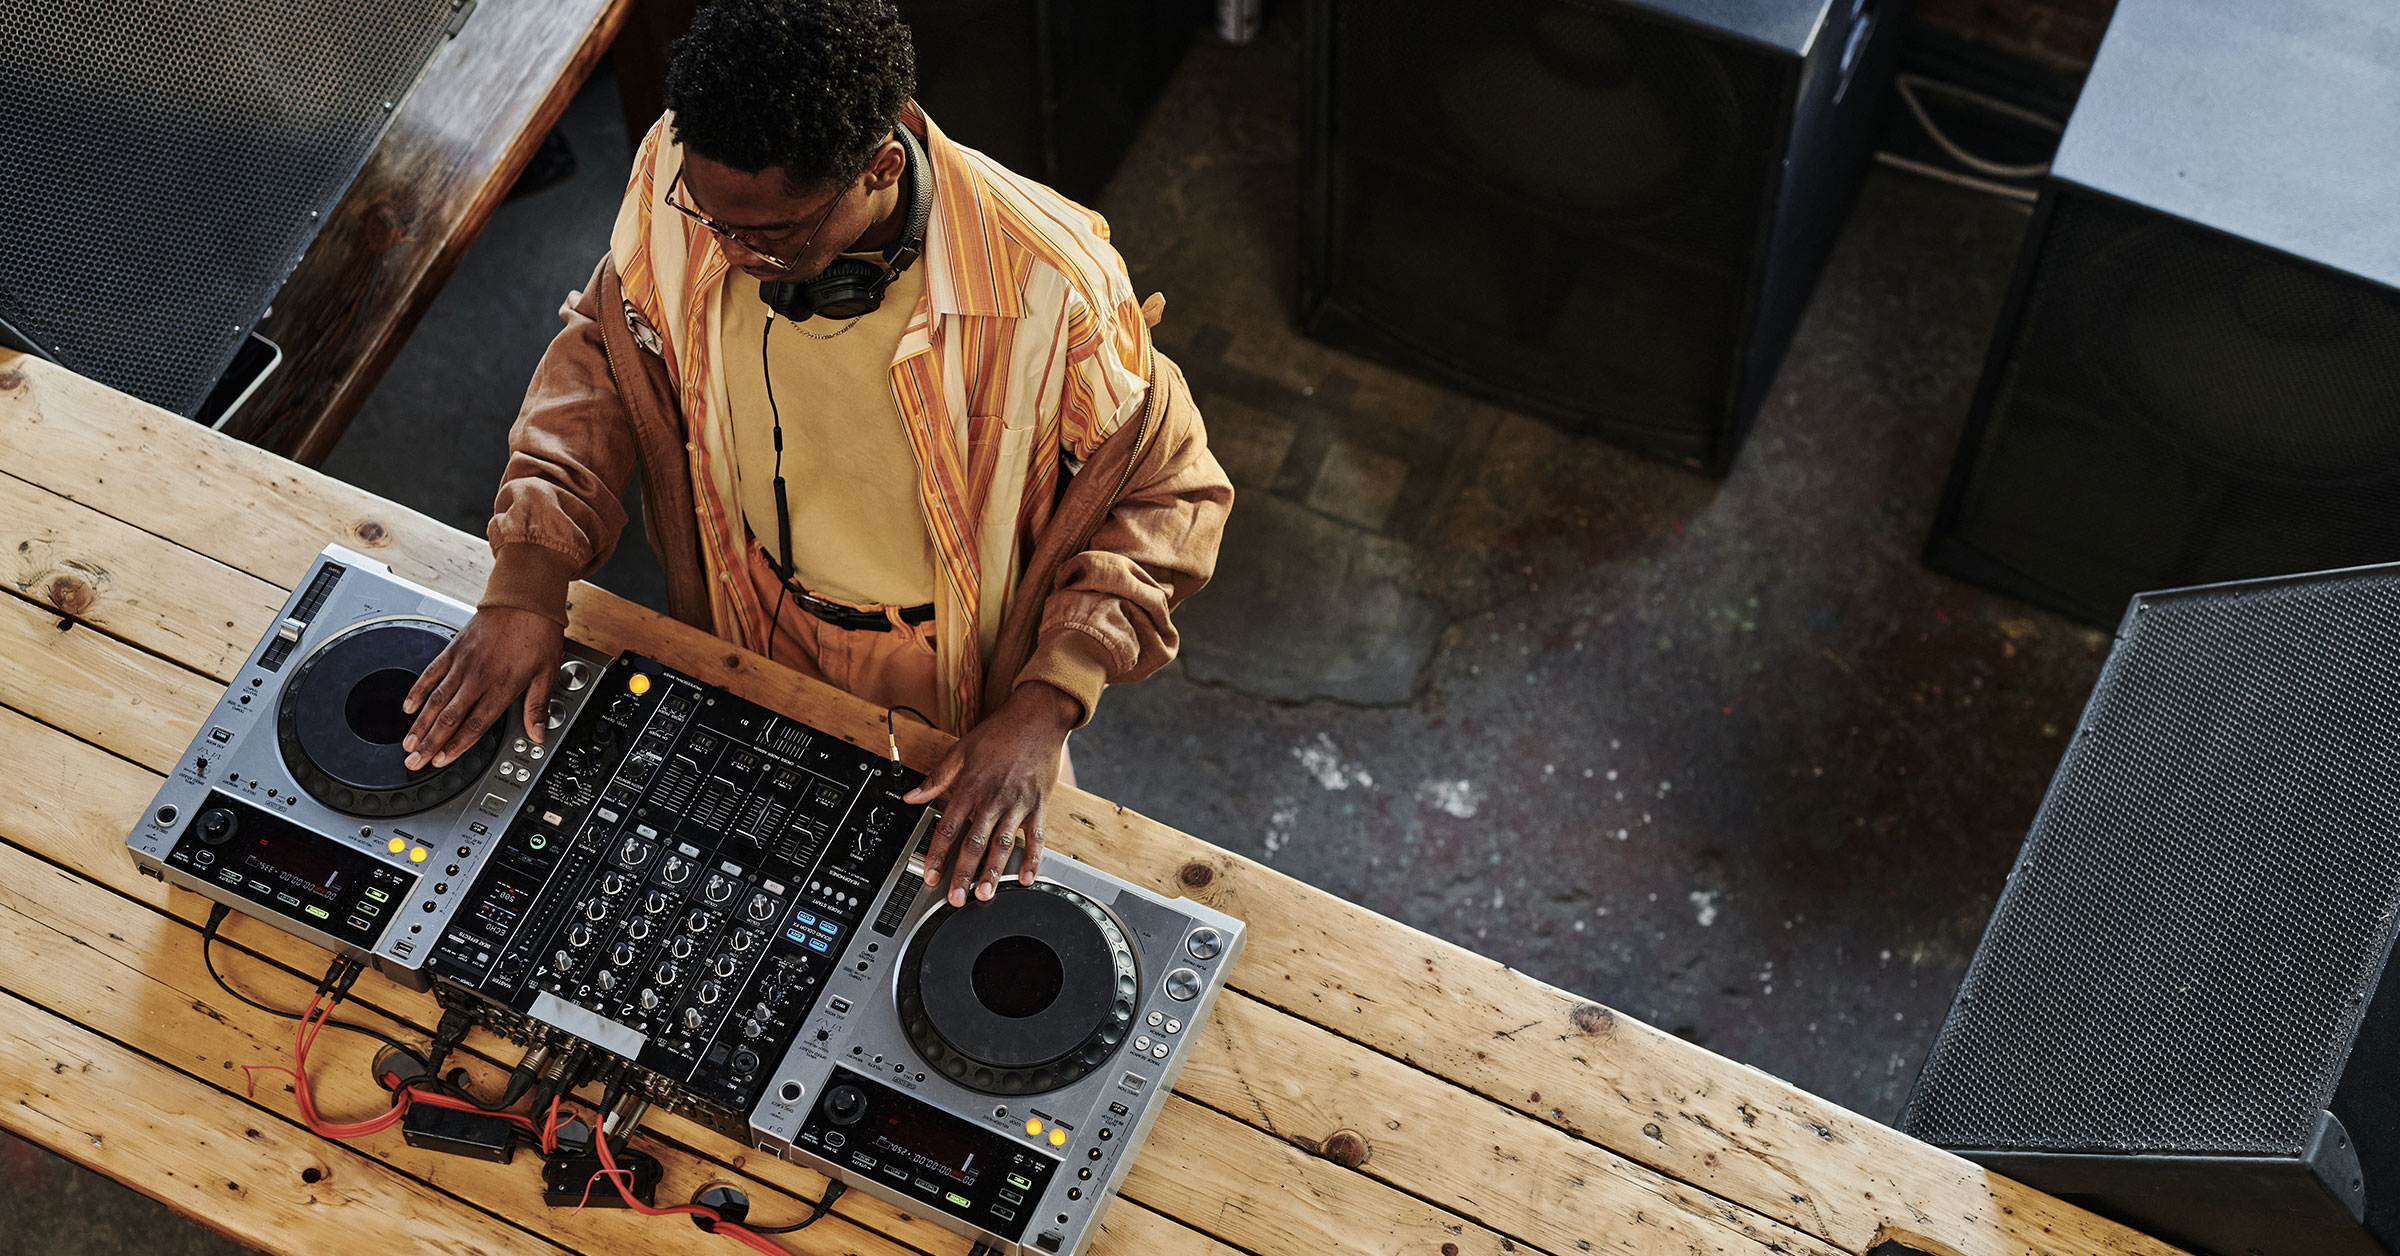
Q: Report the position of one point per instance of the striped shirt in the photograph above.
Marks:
(1026, 350)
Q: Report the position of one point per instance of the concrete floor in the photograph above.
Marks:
(1721, 754)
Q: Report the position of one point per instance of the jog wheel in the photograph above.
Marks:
(340, 723)
(1024, 994)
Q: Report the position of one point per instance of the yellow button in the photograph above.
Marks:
(1034, 1127)
(640, 682)
(396, 845)
(1058, 1138)
(417, 855)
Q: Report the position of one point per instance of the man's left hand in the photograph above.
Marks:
(996, 779)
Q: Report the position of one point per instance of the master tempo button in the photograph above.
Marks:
(1183, 985)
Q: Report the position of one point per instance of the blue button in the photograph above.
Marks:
(797, 936)
(803, 918)
(816, 944)
(828, 928)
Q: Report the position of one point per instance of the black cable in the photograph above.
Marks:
(892, 734)
(783, 509)
(335, 978)
(833, 1191)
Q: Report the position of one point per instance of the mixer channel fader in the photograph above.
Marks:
(681, 886)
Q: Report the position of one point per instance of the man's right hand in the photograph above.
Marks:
(501, 653)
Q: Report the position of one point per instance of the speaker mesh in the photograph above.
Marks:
(169, 164)
(2179, 962)
(2180, 407)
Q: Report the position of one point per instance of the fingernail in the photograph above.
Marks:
(958, 898)
(409, 742)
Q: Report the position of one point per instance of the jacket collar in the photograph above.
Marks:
(972, 264)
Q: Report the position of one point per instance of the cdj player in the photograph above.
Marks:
(722, 900)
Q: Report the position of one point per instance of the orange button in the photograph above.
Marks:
(640, 682)
(1058, 1138)
(417, 855)
(396, 845)
(1034, 1128)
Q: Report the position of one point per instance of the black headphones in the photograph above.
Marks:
(849, 287)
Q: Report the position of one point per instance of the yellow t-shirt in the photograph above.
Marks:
(849, 472)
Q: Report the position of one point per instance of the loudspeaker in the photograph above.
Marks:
(2197, 376)
(170, 163)
(1053, 89)
(1607, 214)
(2184, 1013)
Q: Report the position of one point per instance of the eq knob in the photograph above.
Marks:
(710, 992)
(562, 961)
(637, 928)
(607, 981)
(718, 889)
(742, 940)
(699, 922)
(666, 972)
(693, 1019)
(726, 965)
(844, 1105)
(676, 870)
(752, 1029)
(648, 999)
(596, 910)
(216, 826)
(623, 956)
(681, 948)
(613, 884)
(580, 936)
(654, 902)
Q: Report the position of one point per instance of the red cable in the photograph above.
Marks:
(305, 1036)
(618, 1177)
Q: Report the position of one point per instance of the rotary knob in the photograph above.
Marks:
(562, 961)
(648, 999)
(216, 826)
(1183, 985)
(607, 981)
(759, 908)
(710, 992)
(718, 889)
(637, 928)
(844, 1105)
(632, 852)
(666, 972)
(699, 922)
(613, 884)
(742, 940)
(681, 948)
(752, 1029)
(692, 1018)
(622, 957)
(596, 910)
(726, 965)
(580, 936)
(676, 870)
(654, 902)
(1205, 944)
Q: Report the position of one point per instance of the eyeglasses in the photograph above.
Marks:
(743, 238)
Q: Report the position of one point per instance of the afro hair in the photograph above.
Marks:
(810, 86)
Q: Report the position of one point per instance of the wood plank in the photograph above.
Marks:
(115, 1111)
(456, 144)
(129, 584)
(1600, 1075)
(1492, 1188)
(97, 687)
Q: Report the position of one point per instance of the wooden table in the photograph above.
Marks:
(455, 147)
(1362, 1087)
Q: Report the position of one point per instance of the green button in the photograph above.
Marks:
(537, 841)
(1020, 1181)
(318, 912)
(960, 1200)
(378, 895)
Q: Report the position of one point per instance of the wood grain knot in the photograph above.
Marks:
(1346, 1149)
(369, 532)
(1196, 876)
(70, 594)
(1449, 1249)
(1592, 1020)
(11, 380)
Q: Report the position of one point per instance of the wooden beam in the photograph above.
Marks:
(456, 145)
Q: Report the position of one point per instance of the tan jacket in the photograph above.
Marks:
(1133, 534)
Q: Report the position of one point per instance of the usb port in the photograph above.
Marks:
(841, 1005)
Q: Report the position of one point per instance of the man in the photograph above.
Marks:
(897, 417)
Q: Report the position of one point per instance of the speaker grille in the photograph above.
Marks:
(2180, 407)
(2179, 962)
(170, 163)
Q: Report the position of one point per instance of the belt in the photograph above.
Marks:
(854, 619)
